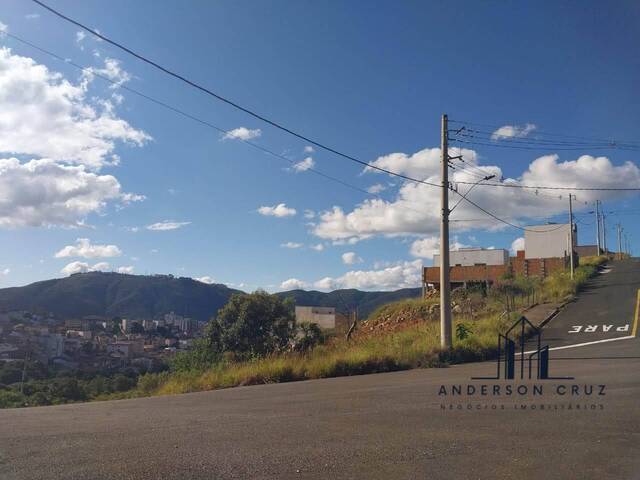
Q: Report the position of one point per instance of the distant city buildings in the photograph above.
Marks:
(94, 342)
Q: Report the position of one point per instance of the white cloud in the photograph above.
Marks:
(100, 267)
(517, 244)
(308, 149)
(293, 284)
(377, 188)
(113, 71)
(416, 207)
(350, 258)
(242, 133)
(291, 245)
(80, 36)
(318, 247)
(428, 247)
(304, 165)
(206, 279)
(166, 225)
(309, 214)
(84, 248)
(32, 16)
(401, 275)
(422, 164)
(513, 131)
(83, 267)
(280, 210)
(128, 269)
(46, 193)
(3, 28)
(44, 115)
(127, 198)
(425, 247)
(5, 271)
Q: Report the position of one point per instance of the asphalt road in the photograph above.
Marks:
(386, 426)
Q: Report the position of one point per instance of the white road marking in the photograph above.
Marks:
(586, 343)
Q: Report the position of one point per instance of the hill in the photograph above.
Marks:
(116, 294)
(345, 300)
(112, 294)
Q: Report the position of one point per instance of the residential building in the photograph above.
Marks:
(549, 241)
(325, 317)
(467, 257)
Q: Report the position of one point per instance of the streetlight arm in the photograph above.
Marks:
(488, 177)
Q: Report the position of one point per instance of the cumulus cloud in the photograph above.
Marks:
(513, 131)
(45, 193)
(318, 247)
(291, 245)
(3, 28)
(84, 248)
(166, 225)
(128, 269)
(304, 165)
(309, 214)
(45, 115)
(80, 36)
(293, 284)
(206, 279)
(308, 149)
(280, 210)
(242, 133)
(416, 208)
(112, 70)
(428, 247)
(517, 244)
(377, 188)
(422, 164)
(83, 267)
(350, 258)
(400, 275)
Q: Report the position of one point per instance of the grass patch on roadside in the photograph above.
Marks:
(414, 345)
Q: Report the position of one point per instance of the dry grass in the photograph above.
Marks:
(413, 345)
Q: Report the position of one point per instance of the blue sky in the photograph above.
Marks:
(370, 79)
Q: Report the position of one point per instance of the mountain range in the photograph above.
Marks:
(112, 294)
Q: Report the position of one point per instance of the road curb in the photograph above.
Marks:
(553, 314)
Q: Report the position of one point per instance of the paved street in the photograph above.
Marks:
(386, 426)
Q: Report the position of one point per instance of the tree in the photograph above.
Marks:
(252, 324)
(309, 335)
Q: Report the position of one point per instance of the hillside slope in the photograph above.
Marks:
(115, 294)
(147, 296)
(345, 300)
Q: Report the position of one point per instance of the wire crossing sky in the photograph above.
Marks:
(156, 193)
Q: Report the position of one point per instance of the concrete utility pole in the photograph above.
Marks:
(571, 196)
(598, 227)
(445, 286)
(604, 234)
(619, 228)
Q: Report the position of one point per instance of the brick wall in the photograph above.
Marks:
(535, 267)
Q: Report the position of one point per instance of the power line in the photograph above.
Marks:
(546, 187)
(542, 133)
(256, 115)
(542, 147)
(194, 118)
(255, 145)
(230, 102)
(534, 140)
